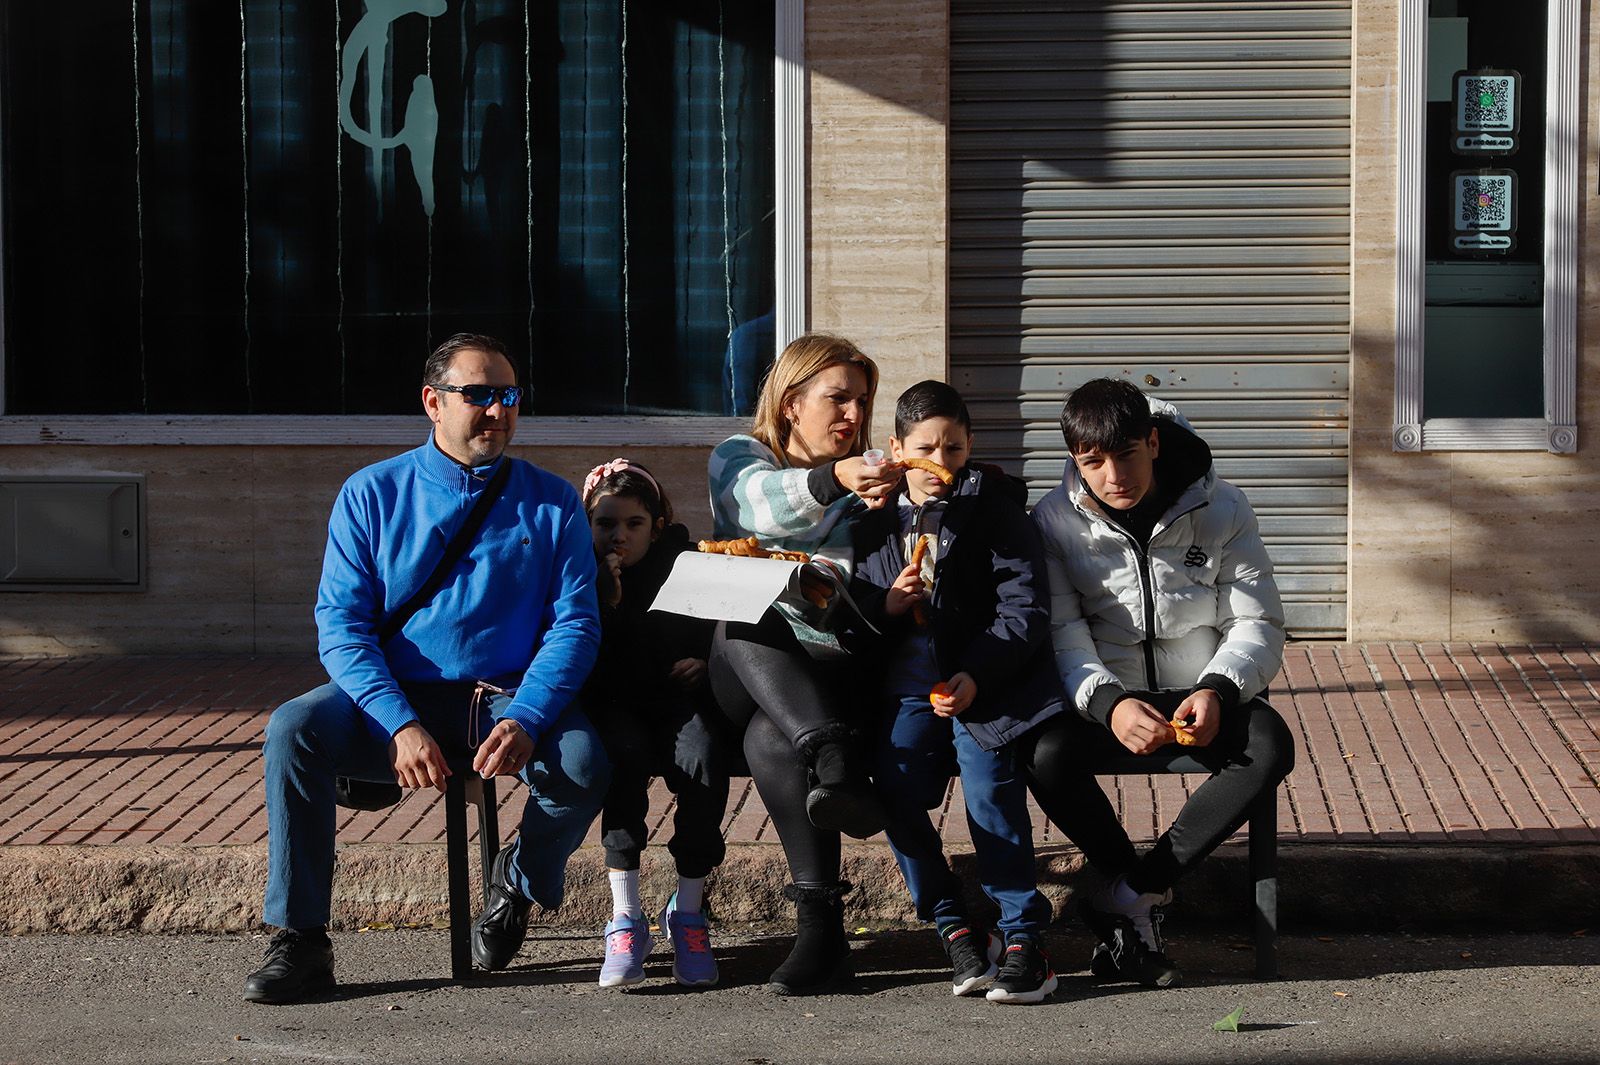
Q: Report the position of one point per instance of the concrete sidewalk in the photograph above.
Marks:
(1436, 784)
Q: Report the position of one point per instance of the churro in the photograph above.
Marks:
(919, 611)
(930, 466)
(750, 547)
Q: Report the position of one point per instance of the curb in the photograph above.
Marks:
(173, 889)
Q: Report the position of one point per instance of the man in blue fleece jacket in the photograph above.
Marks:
(517, 610)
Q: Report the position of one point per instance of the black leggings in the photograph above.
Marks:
(1251, 754)
(776, 695)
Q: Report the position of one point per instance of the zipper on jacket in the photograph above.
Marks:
(1147, 590)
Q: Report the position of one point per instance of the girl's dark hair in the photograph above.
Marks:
(929, 399)
(1104, 415)
(631, 483)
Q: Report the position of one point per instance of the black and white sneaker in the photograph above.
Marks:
(972, 960)
(1131, 946)
(1025, 974)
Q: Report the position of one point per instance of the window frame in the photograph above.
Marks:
(1557, 431)
(789, 143)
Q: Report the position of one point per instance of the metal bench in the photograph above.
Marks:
(463, 786)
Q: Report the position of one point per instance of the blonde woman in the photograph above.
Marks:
(794, 482)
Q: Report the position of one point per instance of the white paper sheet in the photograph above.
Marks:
(731, 588)
(721, 588)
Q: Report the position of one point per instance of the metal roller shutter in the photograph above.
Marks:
(1161, 190)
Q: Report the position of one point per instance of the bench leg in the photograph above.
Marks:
(455, 832)
(488, 833)
(1264, 874)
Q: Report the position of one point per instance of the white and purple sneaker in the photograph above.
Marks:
(692, 962)
(628, 943)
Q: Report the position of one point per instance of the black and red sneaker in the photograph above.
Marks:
(1025, 973)
(972, 957)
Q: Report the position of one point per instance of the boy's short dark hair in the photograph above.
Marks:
(1103, 415)
(929, 399)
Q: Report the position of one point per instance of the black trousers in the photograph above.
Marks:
(671, 739)
(773, 694)
(1251, 754)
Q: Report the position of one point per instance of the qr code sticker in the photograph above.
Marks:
(1483, 203)
(1486, 103)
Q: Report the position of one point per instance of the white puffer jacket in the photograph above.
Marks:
(1201, 600)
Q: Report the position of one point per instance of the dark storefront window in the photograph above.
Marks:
(195, 222)
(1485, 196)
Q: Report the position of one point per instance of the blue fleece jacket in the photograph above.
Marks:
(518, 609)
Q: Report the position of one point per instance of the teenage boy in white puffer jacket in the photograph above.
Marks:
(1163, 607)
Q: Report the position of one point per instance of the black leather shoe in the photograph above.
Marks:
(498, 932)
(299, 965)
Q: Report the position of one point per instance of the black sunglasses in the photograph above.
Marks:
(485, 395)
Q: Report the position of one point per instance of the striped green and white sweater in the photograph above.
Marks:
(753, 494)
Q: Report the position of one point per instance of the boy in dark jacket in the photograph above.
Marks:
(968, 670)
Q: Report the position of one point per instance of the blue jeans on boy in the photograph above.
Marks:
(322, 735)
(914, 766)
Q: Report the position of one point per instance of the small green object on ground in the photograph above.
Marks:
(1230, 1023)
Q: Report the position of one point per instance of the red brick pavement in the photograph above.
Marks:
(1398, 743)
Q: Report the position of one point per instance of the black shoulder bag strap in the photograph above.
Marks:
(458, 545)
(370, 794)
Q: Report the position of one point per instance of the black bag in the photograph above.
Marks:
(355, 794)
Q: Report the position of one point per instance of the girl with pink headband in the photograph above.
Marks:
(645, 698)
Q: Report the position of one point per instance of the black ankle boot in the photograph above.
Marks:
(820, 960)
(842, 798)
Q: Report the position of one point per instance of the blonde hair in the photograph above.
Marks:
(804, 358)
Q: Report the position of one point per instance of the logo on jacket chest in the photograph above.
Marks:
(1195, 557)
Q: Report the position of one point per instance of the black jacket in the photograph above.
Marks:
(637, 645)
(989, 608)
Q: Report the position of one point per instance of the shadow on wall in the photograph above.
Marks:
(882, 47)
(1493, 546)
(1029, 101)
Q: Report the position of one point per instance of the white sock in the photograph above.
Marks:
(625, 893)
(690, 894)
(1124, 898)
(1118, 897)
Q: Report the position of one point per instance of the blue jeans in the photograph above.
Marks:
(914, 766)
(322, 735)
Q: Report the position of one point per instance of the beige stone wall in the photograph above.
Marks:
(1465, 545)
(880, 91)
(235, 534)
(235, 539)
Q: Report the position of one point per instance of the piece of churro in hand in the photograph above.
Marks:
(1184, 737)
(930, 466)
(919, 611)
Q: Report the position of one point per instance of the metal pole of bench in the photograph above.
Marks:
(488, 832)
(455, 845)
(1264, 873)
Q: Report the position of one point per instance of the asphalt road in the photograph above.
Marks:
(1382, 999)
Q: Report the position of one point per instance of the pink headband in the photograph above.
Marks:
(600, 473)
